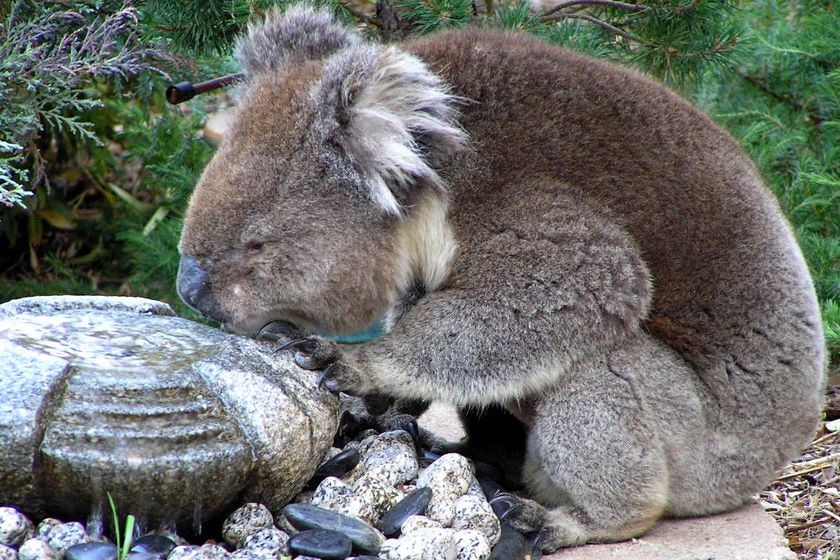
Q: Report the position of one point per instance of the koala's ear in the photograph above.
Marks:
(302, 32)
(397, 118)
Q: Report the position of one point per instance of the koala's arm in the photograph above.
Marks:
(525, 299)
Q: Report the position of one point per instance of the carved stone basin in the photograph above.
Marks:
(175, 419)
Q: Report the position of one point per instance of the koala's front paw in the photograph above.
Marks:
(338, 376)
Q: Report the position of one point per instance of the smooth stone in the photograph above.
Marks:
(246, 520)
(154, 544)
(305, 516)
(8, 553)
(91, 551)
(413, 504)
(512, 545)
(36, 549)
(145, 556)
(337, 466)
(321, 543)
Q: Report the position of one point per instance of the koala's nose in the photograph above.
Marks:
(193, 283)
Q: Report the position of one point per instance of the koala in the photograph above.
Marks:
(566, 250)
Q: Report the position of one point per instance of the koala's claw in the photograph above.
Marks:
(325, 380)
(302, 343)
(523, 514)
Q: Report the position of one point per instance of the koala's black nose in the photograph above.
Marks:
(193, 284)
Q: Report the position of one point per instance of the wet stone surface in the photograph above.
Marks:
(126, 380)
(91, 551)
(321, 543)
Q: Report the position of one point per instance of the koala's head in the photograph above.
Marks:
(301, 215)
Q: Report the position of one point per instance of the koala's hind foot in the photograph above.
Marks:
(595, 463)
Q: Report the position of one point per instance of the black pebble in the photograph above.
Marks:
(338, 466)
(413, 504)
(512, 545)
(307, 516)
(321, 543)
(154, 544)
(91, 551)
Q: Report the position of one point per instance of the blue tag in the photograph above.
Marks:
(373, 331)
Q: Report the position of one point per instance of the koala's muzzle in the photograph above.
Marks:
(194, 287)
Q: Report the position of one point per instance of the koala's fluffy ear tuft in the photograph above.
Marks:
(397, 118)
(302, 32)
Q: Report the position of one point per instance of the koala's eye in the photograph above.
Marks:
(253, 246)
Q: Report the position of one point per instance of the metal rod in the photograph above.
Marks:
(185, 91)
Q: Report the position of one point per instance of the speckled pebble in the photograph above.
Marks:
(451, 469)
(471, 545)
(245, 520)
(249, 554)
(473, 512)
(14, 527)
(335, 495)
(418, 522)
(424, 544)
(203, 552)
(36, 549)
(270, 539)
(396, 463)
(8, 553)
(61, 537)
(449, 478)
(181, 552)
(378, 493)
(45, 526)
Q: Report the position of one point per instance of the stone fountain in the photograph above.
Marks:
(176, 420)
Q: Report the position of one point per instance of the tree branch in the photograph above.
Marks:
(600, 23)
(609, 3)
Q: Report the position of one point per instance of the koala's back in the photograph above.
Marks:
(732, 293)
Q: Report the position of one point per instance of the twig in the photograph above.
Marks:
(813, 465)
(600, 23)
(609, 3)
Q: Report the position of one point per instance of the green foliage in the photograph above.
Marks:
(431, 15)
(50, 57)
(124, 535)
(785, 107)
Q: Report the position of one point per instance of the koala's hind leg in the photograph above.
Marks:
(595, 463)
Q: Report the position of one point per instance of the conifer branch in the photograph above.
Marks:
(609, 3)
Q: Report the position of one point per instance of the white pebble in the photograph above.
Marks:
(14, 527)
(244, 521)
(424, 544)
(471, 545)
(8, 553)
(36, 549)
(449, 478)
(61, 537)
(416, 522)
(270, 539)
(473, 512)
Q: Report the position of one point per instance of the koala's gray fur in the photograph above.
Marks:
(542, 231)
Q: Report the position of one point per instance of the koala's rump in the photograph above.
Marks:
(732, 293)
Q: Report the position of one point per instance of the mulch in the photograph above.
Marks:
(805, 498)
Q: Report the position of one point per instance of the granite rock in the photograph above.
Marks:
(213, 415)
